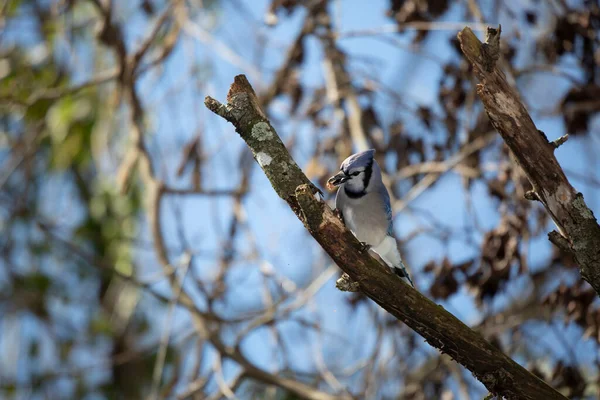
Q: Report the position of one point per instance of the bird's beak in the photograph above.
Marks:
(337, 180)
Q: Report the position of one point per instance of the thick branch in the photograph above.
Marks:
(535, 155)
(496, 371)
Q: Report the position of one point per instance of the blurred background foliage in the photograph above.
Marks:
(143, 256)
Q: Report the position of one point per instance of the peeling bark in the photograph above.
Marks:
(535, 155)
(500, 374)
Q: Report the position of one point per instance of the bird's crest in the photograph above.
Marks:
(362, 159)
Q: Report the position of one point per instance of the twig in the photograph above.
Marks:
(413, 25)
(224, 389)
(339, 83)
(164, 341)
(219, 48)
(446, 166)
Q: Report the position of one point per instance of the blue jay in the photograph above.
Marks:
(364, 204)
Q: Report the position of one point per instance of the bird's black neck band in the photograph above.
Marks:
(354, 195)
(368, 172)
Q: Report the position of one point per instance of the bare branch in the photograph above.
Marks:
(164, 341)
(535, 154)
(496, 371)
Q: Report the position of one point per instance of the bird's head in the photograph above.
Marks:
(355, 172)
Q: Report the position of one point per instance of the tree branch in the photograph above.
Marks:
(535, 154)
(496, 371)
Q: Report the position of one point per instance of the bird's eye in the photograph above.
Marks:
(355, 173)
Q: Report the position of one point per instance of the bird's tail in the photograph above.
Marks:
(403, 273)
(388, 251)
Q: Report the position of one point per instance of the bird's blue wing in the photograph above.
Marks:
(388, 210)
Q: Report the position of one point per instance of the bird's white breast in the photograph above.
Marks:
(366, 218)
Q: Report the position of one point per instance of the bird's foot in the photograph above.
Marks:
(346, 284)
(364, 247)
